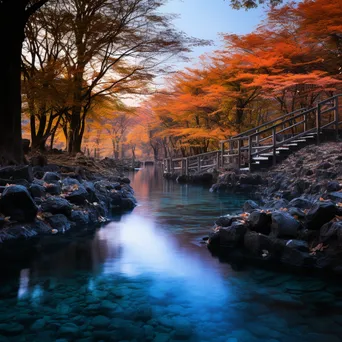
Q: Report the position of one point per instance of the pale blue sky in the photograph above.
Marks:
(207, 18)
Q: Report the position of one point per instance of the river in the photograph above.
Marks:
(146, 276)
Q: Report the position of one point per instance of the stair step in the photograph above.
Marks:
(289, 145)
(270, 154)
(299, 141)
(260, 158)
(282, 149)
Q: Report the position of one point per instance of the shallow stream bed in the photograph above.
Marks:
(147, 277)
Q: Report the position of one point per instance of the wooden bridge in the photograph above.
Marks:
(269, 143)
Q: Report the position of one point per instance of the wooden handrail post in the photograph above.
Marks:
(257, 138)
(217, 160)
(198, 164)
(186, 166)
(249, 150)
(305, 122)
(274, 138)
(222, 154)
(336, 117)
(318, 123)
(239, 153)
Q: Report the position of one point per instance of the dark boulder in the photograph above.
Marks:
(77, 196)
(331, 231)
(56, 205)
(297, 212)
(115, 200)
(81, 218)
(37, 190)
(263, 246)
(17, 172)
(17, 203)
(214, 240)
(68, 182)
(277, 204)
(233, 235)
(53, 189)
(319, 214)
(260, 222)
(104, 186)
(301, 245)
(125, 180)
(284, 225)
(250, 206)
(336, 196)
(226, 221)
(59, 222)
(51, 177)
(127, 204)
(300, 203)
(333, 186)
(89, 186)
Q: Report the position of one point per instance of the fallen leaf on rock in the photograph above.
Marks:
(319, 248)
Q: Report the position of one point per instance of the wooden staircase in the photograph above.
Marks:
(269, 143)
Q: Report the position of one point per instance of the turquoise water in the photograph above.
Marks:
(147, 277)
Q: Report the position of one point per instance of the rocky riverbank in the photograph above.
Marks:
(298, 220)
(47, 199)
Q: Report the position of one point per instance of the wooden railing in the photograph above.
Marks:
(193, 164)
(266, 139)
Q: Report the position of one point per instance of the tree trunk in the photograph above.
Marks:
(12, 22)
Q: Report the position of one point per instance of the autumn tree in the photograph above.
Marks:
(248, 4)
(46, 86)
(113, 48)
(13, 18)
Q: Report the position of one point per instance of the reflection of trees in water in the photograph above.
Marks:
(147, 180)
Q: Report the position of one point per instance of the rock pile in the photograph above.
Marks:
(299, 222)
(300, 233)
(49, 199)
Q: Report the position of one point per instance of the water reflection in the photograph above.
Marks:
(145, 277)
